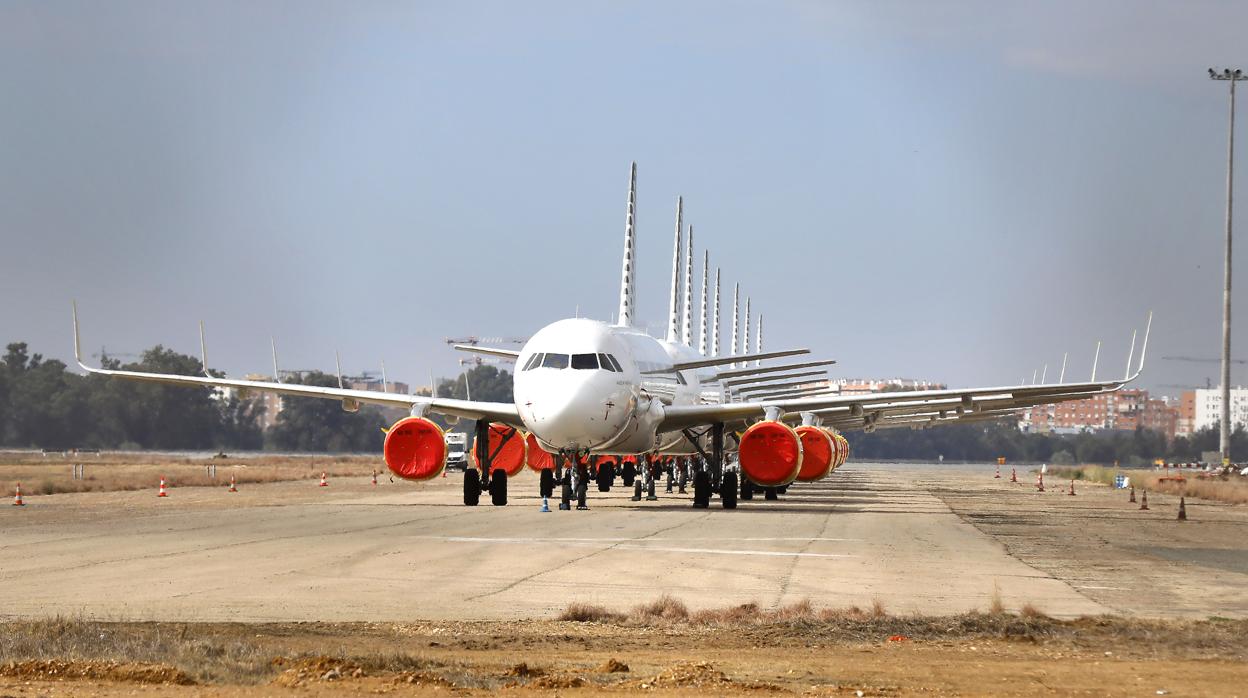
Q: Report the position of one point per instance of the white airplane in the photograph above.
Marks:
(585, 389)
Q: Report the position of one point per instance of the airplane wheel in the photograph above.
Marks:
(630, 474)
(701, 490)
(747, 488)
(728, 491)
(604, 479)
(783, 489)
(565, 497)
(472, 487)
(771, 494)
(546, 483)
(498, 488)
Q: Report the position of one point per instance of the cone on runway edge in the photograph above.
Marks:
(324, 482)
(162, 492)
(233, 488)
(998, 475)
(1072, 488)
(1040, 482)
(1014, 475)
(374, 476)
(1182, 509)
(17, 498)
(1132, 499)
(545, 506)
(1144, 501)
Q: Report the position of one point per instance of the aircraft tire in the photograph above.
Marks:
(630, 474)
(747, 488)
(771, 494)
(546, 483)
(728, 491)
(565, 494)
(472, 487)
(498, 488)
(701, 490)
(604, 478)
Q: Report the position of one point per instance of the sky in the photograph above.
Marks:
(958, 191)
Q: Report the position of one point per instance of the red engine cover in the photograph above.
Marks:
(819, 451)
(842, 450)
(770, 454)
(415, 449)
(536, 457)
(508, 451)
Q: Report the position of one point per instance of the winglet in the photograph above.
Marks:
(1096, 357)
(273, 345)
(203, 350)
(1127, 376)
(338, 365)
(77, 341)
(385, 386)
(1144, 349)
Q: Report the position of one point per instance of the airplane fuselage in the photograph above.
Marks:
(584, 385)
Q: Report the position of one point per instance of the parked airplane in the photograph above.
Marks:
(585, 388)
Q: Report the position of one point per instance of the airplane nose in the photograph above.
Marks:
(573, 419)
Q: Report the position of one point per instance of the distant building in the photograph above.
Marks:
(1126, 410)
(857, 386)
(1207, 408)
(369, 383)
(1187, 414)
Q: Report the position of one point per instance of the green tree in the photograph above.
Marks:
(314, 424)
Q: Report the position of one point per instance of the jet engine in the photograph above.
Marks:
(508, 451)
(415, 449)
(842, 449)
(819, 452)
(537, 457)
(770, 454)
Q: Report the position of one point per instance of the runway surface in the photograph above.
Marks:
(292, 551)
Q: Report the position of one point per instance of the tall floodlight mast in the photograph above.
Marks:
(1224, 442)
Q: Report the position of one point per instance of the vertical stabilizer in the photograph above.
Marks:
(736, 319)
(673, 309)
(758, 340)
(686, 320)
(706, 272)
(628, 290)
(745, 330)
(715, 319)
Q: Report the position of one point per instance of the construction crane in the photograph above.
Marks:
(474, 340)
(1204, 361)
(104, 352)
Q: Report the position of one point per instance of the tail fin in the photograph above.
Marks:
(628, 289)
(673, 309)
(715, 320)
(736, 319)
(686, 322)
(745, 330)
(758, 340)
(706, 271)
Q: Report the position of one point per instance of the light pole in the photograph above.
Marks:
(1224, 442)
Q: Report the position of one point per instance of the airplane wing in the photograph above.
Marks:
(469, 409)
(917, 408)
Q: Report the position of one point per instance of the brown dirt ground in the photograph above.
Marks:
(977, 654)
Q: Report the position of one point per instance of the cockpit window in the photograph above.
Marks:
(533, 362)
(555, 361)
(608, 362)
(585, 361)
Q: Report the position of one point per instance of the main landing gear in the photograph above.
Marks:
(709, 476)
(484, 478)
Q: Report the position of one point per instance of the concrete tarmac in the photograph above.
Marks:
(293, 551)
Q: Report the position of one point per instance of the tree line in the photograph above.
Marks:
(45, 405)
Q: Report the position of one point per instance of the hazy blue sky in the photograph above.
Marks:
(957, 192)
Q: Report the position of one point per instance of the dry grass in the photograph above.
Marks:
(206, 655)
(664, 608)
(111, 472)
(1231, 490)
(579, 612)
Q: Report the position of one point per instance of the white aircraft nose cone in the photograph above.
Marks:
(580, 418)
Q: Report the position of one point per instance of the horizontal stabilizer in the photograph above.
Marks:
(723, 360)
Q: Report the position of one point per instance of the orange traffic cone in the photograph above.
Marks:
(998, 475)
(323, 482)
(1132, 499)
(232, 487)
(1144, 501)
(1040, 482)
(374, 477)
(1182, 508)
(17, 498)
(1014, 475)
(1072, 488)
(162, 492)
